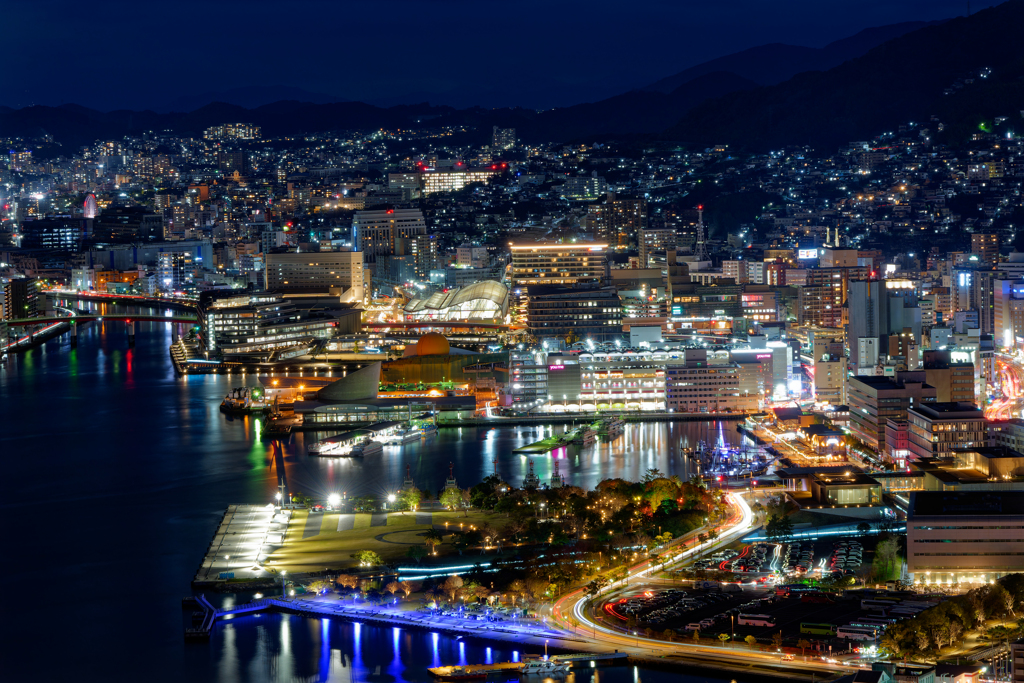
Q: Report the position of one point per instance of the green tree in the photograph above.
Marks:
(803, 644)
(751, 641)
(670, 635)
(410, 497)
(433, 538)
(368, 558)
(652, 474)
(724, 637)
(451, 499)
(416, 552)
(696, 636)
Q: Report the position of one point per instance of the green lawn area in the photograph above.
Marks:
(333, 549)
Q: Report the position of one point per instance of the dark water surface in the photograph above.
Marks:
(116, 474)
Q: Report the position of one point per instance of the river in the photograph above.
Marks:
(117, 473)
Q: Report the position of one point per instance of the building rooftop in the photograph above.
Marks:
(948, 410)
(965, 503)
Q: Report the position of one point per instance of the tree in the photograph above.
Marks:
(702, 538)
(416, 553)
(696, 636)
(407, 588)
(777, 640)
(451, 498)
(652, 474)
(347, 580)
(724, 637)
(573, 622)
(670, 635)
(393, 587)
(451, 587)
(751, 641)
(368, 558)
(648, 632)
(863, 528)
(410, 497)
(433, 539)
(318, 587)
(778, 528)
(596, 586)
(803, 644)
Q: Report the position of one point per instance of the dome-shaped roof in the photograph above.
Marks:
(433, 344)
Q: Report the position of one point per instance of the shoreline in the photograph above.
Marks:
(560, 642)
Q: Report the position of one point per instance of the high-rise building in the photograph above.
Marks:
(874, 400)
(618, 220)
(938, 428)
(503, 138)
(557, 263)
(586, 312)
(471, 255)
(22, 299)
(985, 246)
(653, 240)
(820, 300)
(584, 188)
(174, 271)
(697, 386)
(62, 233)
(335, 272)
(454, 179)
(375, 231)
(422, 249)
(233, 131)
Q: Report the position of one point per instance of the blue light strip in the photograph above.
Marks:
(816, 534)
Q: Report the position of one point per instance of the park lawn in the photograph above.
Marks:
(333, 549)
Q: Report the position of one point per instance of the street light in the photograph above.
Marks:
(334, 500)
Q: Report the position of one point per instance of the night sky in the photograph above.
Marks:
(110, 54)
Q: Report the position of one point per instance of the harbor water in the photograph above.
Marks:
(118, 472)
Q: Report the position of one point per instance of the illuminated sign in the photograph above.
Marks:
(556, 367)
(762, 356)
(807, 253)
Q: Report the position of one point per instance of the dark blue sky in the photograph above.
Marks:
(112, 54)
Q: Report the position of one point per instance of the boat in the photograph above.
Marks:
(243, 400)
(428, 428)
(584, 435)
(457, 673)
(544, 667)
(406, 435)
(366, 447)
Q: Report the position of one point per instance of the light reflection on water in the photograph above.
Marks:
(281, 648)
(120, 472)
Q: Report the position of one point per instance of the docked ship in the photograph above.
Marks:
(365, 448)
(243, 400)
(583, 435)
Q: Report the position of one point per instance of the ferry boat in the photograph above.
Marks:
(365, 448)
(407, 435)
(614, 425)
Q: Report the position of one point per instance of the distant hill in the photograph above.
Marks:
(777, 62)
(249, 97)
(901, 80)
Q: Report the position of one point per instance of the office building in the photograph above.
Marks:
(830, 376)
(61, 233)
(456, 178)
(588, 312)
(653, 241)
(376, 231)
(611, 380)
(964, 536)
(23, 298)
(693, 385)
(954, 382)
(938, 428)
(873, 400)
(338, 273)
(556, 263)
(471, 256)
(820, 299)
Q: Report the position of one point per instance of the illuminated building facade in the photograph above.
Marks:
(557, 264)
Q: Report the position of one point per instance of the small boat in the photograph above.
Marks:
(544, 667)
(457, 673)
(244, 400)
(366, 447)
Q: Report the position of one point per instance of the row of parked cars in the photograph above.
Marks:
(668, 605)
(798, 557)
(752, 606)
(847, 557)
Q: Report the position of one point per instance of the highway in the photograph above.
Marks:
(577, 604)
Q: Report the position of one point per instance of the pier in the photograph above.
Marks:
(247, 534)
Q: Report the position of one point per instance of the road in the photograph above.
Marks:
(1011, 378)
(577, 603)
